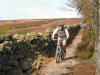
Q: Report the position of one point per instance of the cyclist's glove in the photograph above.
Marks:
(53, 39)
(66, 39)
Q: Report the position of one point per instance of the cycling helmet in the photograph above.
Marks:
(60, 24)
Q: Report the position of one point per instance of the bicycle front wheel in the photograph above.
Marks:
(62, 55)
(57, 58)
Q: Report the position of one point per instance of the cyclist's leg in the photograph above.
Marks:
(64, 46)
(58, 44)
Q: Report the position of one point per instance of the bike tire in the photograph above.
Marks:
(57, 58)
(62, 55)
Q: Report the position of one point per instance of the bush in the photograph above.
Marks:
(86, 46)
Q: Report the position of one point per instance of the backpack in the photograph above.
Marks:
(61, 33)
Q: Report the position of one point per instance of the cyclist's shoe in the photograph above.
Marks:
(64, 52)
(62, 59)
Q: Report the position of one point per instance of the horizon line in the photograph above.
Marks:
(39, 18)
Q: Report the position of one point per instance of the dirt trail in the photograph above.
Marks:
(53, 68)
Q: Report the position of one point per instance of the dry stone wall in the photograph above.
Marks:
(23, 54)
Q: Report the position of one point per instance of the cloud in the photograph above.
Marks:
(35, 12)
(45, 0)
(43, 12)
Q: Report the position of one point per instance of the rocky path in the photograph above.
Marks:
(53, 68)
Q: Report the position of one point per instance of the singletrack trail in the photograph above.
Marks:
(52, 68)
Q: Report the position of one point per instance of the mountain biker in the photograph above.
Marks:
(83, 26)
(63, 35)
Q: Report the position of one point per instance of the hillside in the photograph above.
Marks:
(31, 54)
(32, 25)
(24, 54)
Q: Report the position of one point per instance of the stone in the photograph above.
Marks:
(1, 38)
(2, 73)
(8, 48)
(7, 68)
(7, 37)
(5, 42)
(26, 65)
(15, 63)
(29, 59)
(19, 37)
(15, 72)
(1, 47)
(15, 36)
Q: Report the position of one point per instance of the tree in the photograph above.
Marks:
(97, 34)
(90, 11)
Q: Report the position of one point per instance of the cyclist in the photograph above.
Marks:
(63, 35)
(83, 26)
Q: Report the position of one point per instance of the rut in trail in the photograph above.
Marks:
(53, 68)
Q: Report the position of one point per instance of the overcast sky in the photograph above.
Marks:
(34, 9)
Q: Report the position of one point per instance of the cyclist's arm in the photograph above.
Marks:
(55, 32)
(67, 33)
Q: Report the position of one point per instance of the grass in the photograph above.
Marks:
(86, 46)
(54, 26)
(4, 30)
(22, 31)
(89, 55)
(85, 55)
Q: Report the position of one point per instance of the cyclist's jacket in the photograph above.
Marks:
(83, 25)
(61, 33)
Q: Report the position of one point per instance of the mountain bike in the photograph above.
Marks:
(59, 52)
